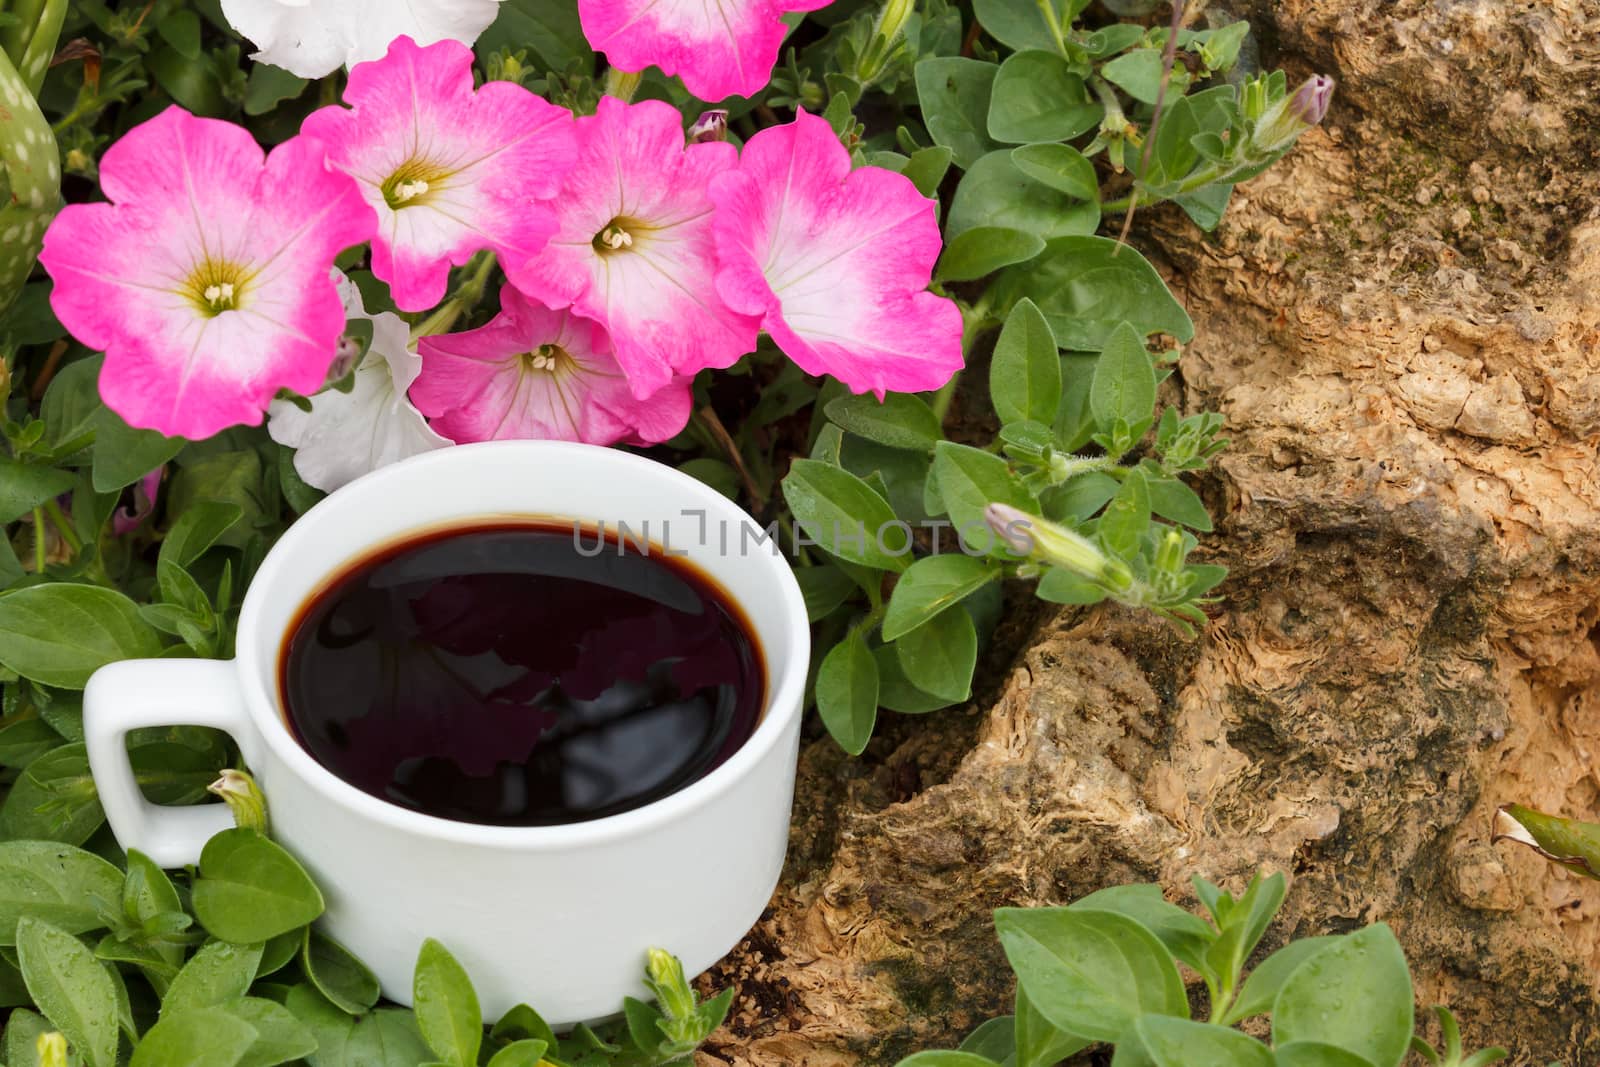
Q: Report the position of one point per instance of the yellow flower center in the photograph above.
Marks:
(549, 359)
(216, 286)
(412, 182)
(618, 235)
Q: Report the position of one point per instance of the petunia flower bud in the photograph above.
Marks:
(1046, 542)
(670, 985)
(712, 125)
(243, 797)
(51, 1049)
(1285, 121)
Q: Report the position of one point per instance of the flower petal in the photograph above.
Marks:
(488, 161)
(191, 194)
(719, 48)
(479, 386)
(315, 39)
(655, 297)
(837, 261)
(346, 435)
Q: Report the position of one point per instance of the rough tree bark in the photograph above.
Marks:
(1402, 325)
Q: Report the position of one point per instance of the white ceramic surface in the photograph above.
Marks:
(558, 917)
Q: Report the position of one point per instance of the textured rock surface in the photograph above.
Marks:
(1402, 326)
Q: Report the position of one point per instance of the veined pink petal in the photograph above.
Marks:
(449, 170)
(719, 48)
(206, 279)
(635, 250)
(836, 261)
(535, 372)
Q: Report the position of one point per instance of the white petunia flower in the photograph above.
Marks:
(312, 38)
(346, 435)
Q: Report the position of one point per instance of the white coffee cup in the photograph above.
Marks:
(559, 917)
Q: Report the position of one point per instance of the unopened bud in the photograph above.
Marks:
(670, 985)
(1047, 542)
(51, 1049)
(712, 125)
(1296, 113)
(243, 797)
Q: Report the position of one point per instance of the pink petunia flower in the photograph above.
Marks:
(534, 372)
(449, 171)
(836, 261)
(720, 49)
(205, 280)
(635, 250)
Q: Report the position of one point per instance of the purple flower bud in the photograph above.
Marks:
(1011, 525)
(1311, 100)
(710, 126)
(126, 520)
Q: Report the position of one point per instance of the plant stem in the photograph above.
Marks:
(465, 299)
(622, 84)
(63, 526)
(946, 393)
(1048, 10)
(38, 541)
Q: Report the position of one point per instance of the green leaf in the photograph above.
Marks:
(1316, 1054)
(993, 1040)
(387, 1037)
(1124, 385)
(1025, 375)
(64, 886)
(218, 973)
(200, 1037)
(1138, 73)
(842, 514)
(1569, 842)
(1061, 167)
(25, 737)
(520, 1054)
(338, 974)
(54, 799)
(522, 1022)
(954, 95)
(900, 420)
(1060, 586)
(1244, 924)
(931, 585)
(270, 86)
(979, 252)
(74, 990)
(1126, 518)
(202, 524)
(1036, 97)
(1090, 973)
(251, 890)
(181, 30)
(233, 476)
(938, 657)
(824, 588)
(60, 634)
(927, 167)
(895, 690)
(1261, 987)
(446, 1006)
(946, 1059)
(1181, 1043)
(25, 486)
(1172, 499)
(1186, 935)
(71, 408)
(23, 1030)
(847, 693)
(551, 30)
(1020, 24)
(1355, 994)
(1038, 1042)
(124, 455)
(969, 481)
(1087, 285)
(280, 1037)
(995, 194)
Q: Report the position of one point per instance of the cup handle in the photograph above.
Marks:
(159, 692)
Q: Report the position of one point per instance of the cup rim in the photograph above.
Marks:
(786, 666)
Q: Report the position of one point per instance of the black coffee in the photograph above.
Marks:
(520, 675)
